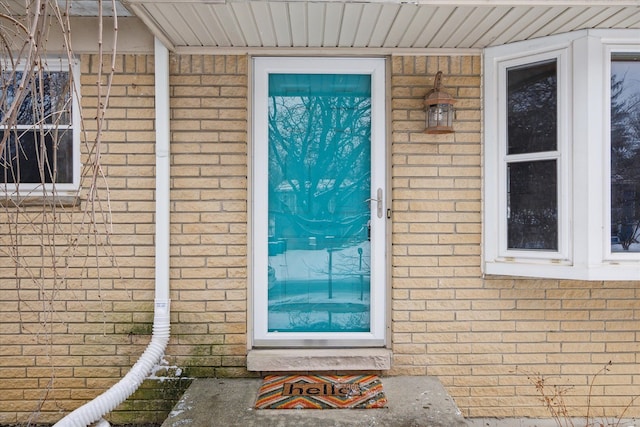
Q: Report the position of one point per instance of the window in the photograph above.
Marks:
(40, 146)
(625, 152)
(532, 156)
(562, 157)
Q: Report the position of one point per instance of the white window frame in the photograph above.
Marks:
(560, 155)
(261, 337)
(610, 49)
(22, 190)
(584, 95)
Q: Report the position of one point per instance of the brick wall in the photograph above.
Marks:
(484, 337)
(436, 187)
(209, 214)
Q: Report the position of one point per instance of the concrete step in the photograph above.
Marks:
(415, 401)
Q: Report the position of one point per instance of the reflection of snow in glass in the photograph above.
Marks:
(314, 264)
(320, 290)
(617, 247)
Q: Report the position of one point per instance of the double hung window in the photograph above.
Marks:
(532, 156)
(40, 132)
(562, 157)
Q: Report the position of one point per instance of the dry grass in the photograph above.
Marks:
(552, 396)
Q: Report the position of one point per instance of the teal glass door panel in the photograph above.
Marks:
(319, 183)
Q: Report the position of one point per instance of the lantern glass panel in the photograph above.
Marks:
(440, 115)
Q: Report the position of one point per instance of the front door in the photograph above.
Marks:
(319, 209)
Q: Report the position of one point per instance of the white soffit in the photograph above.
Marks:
(189, 25)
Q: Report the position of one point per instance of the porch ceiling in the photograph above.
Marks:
(379, 24)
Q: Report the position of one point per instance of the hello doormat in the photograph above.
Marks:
(321, 392)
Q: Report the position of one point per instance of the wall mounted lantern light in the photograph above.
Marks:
(439, 108)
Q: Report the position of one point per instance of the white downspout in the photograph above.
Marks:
(95, 409)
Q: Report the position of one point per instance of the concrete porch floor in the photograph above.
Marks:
(225, 402)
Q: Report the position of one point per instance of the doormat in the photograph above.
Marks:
(321, 392)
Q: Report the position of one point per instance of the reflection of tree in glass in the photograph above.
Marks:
(532, 185)
(37, 147)
(305, 321)
(298, 319)
(46, 98)
(625, 156)
(532, 108)
(319, 164)
(351, 262)
(533, 212)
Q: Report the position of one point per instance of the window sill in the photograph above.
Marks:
(302, 360)
(623, 270)
(61, 200)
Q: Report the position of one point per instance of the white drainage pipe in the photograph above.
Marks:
(94, 410)
(101, 423)
(106, 402)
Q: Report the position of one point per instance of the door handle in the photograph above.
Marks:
(378, 201)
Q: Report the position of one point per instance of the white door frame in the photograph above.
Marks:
(262, 67)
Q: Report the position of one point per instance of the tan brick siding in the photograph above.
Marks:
(209, 214)
(482, 336)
